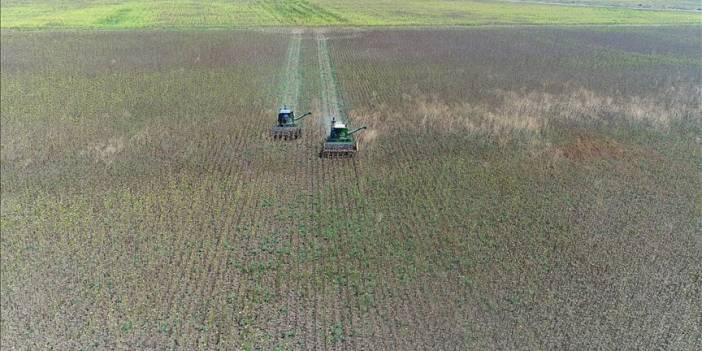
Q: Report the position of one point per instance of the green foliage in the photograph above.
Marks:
(227, 14)
(337, 333)
(127, 326)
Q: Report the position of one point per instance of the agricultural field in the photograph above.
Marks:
(221, 14)
(684, 5)
(517, 188)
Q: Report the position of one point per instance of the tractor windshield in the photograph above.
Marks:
(284, 117)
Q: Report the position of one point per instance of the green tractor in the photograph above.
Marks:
(287, 128)
(340, 142)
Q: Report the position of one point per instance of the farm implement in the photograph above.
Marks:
(287, 128)
(340, 143)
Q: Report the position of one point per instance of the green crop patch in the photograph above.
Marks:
(300, 13)
(184, 14)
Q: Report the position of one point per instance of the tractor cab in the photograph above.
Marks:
(339, 132)
(286, 117)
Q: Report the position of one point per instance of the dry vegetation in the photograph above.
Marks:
(506, 195)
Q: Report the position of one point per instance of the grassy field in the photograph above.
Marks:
(517, 188)
(686, 5)
(183, 14)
